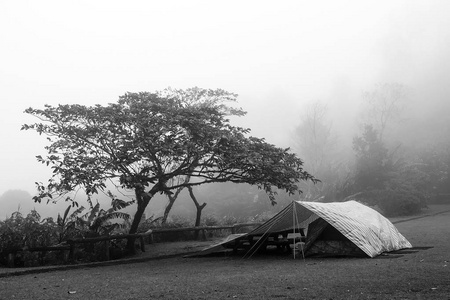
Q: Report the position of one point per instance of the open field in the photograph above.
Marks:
(420, 273)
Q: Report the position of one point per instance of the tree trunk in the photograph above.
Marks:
(142, 200)
(167, 209)
(134, 226)
(199, 210)
(172, 199)
(199, 213)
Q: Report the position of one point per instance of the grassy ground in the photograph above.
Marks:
(420, 273)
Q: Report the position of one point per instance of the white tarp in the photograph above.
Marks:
(365, 227)
(362, 225)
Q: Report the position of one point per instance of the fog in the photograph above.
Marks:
(279, 58)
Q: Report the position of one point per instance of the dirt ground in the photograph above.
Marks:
(419, 273)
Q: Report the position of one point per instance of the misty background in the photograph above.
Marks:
(288, 61)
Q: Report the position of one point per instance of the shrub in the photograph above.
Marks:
(175, 221)
(18, 233)
(149, 223)
(229, 220)
(396, 201)
(210, 220)
(405, 193)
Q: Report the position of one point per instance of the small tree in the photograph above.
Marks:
(396, 186)
(150, 142)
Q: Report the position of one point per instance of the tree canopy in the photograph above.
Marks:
(149, 142)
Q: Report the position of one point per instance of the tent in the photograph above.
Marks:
(338, 228)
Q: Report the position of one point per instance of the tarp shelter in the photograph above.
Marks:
(339, 228)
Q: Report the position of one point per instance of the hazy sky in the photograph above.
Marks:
(276, 55)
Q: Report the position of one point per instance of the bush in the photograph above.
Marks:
(397, 201)
(174, 221)
(406, 193)
(178, 221)
(210, 220)
(149, 223)
(18, 233)
(229, 220)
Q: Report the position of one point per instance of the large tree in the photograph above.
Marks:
(149, 143)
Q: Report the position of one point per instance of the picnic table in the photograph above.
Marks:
(281, 239)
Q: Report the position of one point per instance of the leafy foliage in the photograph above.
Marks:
(405, 193)
(396, 187)
(95, 222)
(18, 232)
(435, 161)
(210, 220)
(67, 224)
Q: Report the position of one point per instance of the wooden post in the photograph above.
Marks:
(141, 238)
(132, 241)
(42, 257)
(150, 238)
(66, 255)
(71, 251)
(107, 243)
(204, 234)
(10, 262)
